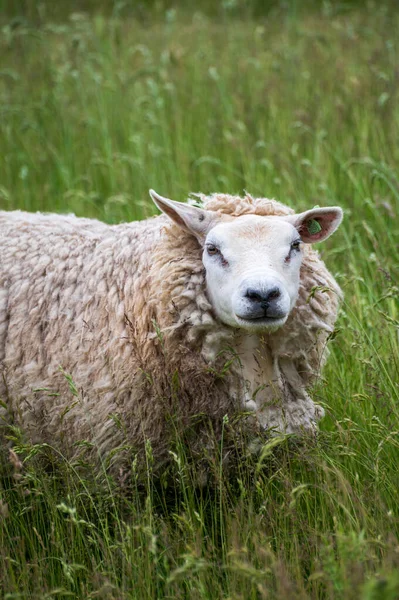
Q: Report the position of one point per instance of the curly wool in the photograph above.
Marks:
(123, 311)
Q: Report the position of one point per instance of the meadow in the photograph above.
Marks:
(297, 103)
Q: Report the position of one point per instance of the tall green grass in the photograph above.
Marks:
(298, 105)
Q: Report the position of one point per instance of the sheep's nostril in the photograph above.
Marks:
(274, 294)
(255, 296)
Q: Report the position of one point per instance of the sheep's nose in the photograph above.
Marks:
(263, 297)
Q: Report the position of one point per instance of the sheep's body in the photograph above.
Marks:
(123, 310)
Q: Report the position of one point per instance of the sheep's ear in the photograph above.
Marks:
(194, 220)
(317, 224)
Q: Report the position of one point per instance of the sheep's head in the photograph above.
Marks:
(252, 262)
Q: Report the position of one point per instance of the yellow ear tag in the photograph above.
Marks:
(313, 226)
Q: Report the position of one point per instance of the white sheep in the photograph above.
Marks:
(205, 311)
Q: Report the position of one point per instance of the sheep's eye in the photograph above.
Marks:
(296, 245)
(212, 249)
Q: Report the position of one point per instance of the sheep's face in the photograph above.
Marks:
(252, 270)
(252, 262)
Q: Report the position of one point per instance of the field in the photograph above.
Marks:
(296, 103)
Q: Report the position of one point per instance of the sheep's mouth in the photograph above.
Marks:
(259, 322)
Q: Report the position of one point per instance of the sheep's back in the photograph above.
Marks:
(66, 288)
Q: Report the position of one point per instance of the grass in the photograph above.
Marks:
(300, 105)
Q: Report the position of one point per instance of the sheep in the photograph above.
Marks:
(124, 334)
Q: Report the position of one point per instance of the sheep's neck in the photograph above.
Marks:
(259, 372)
